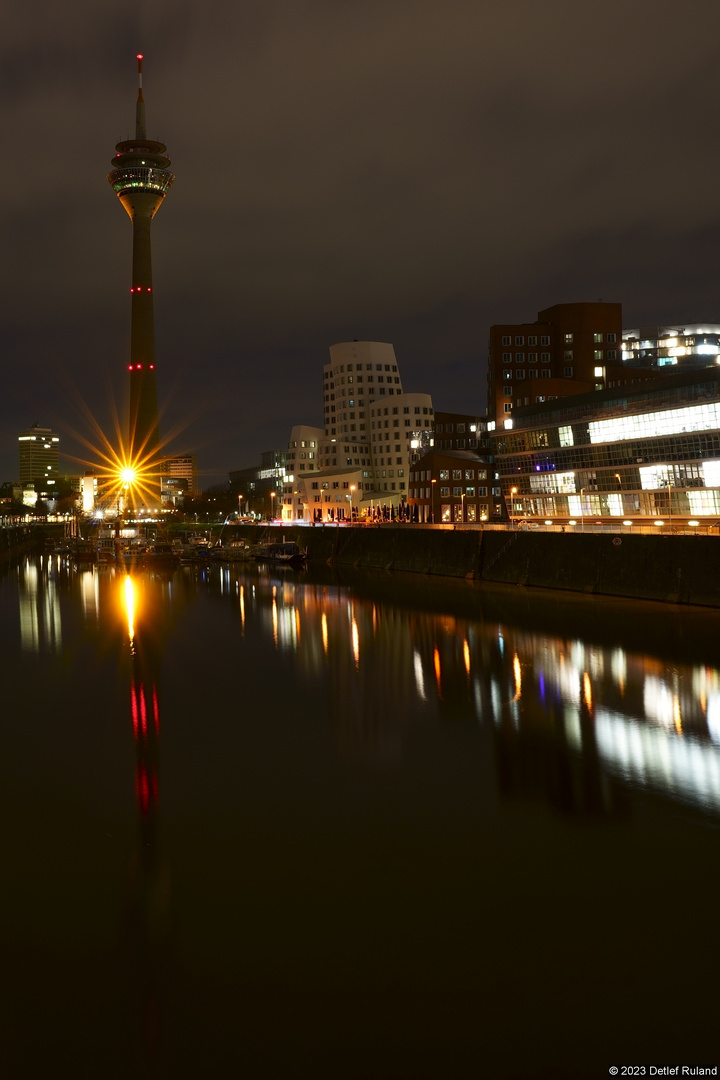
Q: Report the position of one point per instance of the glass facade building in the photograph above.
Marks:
(639, 453)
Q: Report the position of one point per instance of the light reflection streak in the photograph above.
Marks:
(129, 597)
(419, 678)
(517, 675)
(466, 655)
(650, 755)
(324, 631)
(355, 643)
(587, 692)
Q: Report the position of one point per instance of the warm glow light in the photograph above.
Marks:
(627, 522)
(693, 523)
(129, 601)
(587, 691)
(355, 643)
(658, 522)
(518, 677)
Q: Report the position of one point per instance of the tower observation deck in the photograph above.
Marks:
(141, 179)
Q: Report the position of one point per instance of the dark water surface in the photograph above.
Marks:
(274, 824)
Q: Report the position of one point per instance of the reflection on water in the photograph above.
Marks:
(379, 667)
(40, 623)
(372, 789)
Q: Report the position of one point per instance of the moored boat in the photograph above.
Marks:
(289, 553)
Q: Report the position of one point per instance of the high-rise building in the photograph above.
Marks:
(373, 432)
(38, 450)
(141, 180)
(183, 467)
(570, 349)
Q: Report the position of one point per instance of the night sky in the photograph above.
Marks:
(403, 171)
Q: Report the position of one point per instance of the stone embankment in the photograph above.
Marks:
(15, 539)
(676, 569)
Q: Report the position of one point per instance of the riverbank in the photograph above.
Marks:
(671, 569)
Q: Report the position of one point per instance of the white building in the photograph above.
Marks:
(373, 432)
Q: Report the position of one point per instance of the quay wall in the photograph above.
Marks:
(677, 569)
(16, 538)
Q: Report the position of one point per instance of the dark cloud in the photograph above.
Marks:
(401, 171)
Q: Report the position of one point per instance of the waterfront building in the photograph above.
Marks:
(453, 487)
(453, 480)
(38, 452)
(569, 349)
(141, 179)
(686, 345)
(645, 453)
(374, 431)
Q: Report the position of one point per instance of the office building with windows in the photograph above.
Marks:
(647, 453)
(453, 481)
(570, 349)
(38, 451)
(690, 345)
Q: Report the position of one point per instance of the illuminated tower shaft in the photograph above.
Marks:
(141, 180)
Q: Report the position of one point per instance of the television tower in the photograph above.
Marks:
(141, 180)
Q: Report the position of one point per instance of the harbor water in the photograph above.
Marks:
(274, 823)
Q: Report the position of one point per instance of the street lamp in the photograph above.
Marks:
(432, 501)
(272, 504)
(513, 493)
(352, 488)
(582, 511)
(462, 507)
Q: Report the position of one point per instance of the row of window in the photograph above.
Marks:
(351, 378)
(531, 358)
(406, 409)
(358, 367)
(451, 427)
(520, 340)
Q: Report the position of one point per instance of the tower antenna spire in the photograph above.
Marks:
(141, 179)
(140, 107)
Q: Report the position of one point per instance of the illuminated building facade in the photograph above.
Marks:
(453, 481)
(373, 432)
(648, 453)
(692, 345)
(571, 348)
(141, 179)
(179, 476)
(452, 487)
(38, 450)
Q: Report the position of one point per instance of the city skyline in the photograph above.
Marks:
(408, 176)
